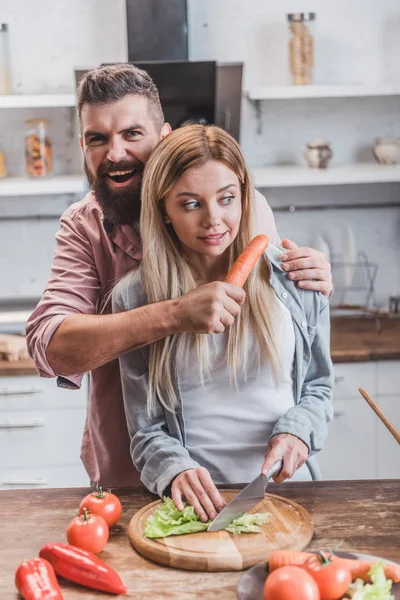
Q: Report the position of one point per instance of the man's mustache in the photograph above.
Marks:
(124, 165)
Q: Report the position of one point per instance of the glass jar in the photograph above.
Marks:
(5, 68)
(3, 170)
(38, 148)
(301, 47)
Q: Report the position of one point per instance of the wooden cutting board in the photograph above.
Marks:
(290, 526)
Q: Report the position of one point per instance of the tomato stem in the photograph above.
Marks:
(100, 493)
(86, 514)
(324, 558)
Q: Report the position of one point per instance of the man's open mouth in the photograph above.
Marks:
(122, 176)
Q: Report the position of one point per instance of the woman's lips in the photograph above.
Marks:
(213, 239)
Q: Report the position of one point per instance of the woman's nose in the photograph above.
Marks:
(116, 151)
(212, 218)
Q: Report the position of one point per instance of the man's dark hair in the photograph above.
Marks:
(111, 83)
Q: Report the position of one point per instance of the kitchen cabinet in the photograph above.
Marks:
(388, 377)
(359, 446)
(41, 430)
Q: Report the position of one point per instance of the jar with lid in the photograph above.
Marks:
(5, 68)
(38, 148)
(301, 47)
(3, 170)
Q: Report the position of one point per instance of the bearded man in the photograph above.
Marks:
(71, 332)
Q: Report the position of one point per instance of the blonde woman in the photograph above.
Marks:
(219, 408)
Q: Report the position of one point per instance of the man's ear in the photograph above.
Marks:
(81, 141)
(165, 130)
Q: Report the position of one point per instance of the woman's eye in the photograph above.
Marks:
(227, 200)
(191, 205)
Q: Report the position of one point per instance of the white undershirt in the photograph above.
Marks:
(227, 430)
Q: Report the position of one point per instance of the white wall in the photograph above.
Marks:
(50, 38)
(356, 41)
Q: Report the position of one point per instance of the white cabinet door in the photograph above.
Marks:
(41, 430)
(30, 392)
(350, 450)
(389, 378)
(41, 438)
(43, 477)
(388, 448)
(350, 376)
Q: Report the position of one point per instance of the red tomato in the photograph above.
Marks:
(105, 504)
(289, 583)
(89, 532)
(332, 577)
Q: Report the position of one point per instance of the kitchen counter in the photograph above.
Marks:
(353, 339)
(18, 367)
(357, 339)
(363, 515)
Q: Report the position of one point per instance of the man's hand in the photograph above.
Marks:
(308, 267)
(291, 449)
(199, 490)
(209, 308)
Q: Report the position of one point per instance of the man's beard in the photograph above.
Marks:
(120, 206)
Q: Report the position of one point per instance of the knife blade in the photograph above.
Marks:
(251, 495)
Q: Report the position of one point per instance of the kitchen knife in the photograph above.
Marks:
(251, 495)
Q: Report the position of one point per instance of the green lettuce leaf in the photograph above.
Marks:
(248, 523)
(168, 520)
(379, 589)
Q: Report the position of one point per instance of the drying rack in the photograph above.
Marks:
(360, 290)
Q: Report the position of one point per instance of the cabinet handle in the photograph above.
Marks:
(39, 481)
(10, 424)
(339, 379)
(338, 413)
(19, 391)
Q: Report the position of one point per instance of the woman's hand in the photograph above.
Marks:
(308, 267)
(291, 449)
(199, 490)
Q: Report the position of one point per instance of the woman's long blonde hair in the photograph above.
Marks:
(165, 273)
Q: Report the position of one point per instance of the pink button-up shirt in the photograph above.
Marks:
(89, 259)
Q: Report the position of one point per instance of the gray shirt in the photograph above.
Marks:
(159, 442)
(227, 426)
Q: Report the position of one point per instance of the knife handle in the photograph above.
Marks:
(274, 470)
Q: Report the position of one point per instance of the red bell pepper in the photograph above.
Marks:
(83, 567)
(36, 580)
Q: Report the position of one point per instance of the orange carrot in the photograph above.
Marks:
(241, 268)
(358, 568)
(283, 558)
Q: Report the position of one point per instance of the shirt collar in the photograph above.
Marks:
(125, 237)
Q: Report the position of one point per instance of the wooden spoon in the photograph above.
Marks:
(395, 433)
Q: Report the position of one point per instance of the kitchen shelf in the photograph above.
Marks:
(292, 92)
(23, 186)
(295, 175)
(37, 100)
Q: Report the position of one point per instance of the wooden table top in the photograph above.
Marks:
(363, 515)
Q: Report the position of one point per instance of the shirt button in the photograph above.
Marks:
(303, 323)
(284, 294)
